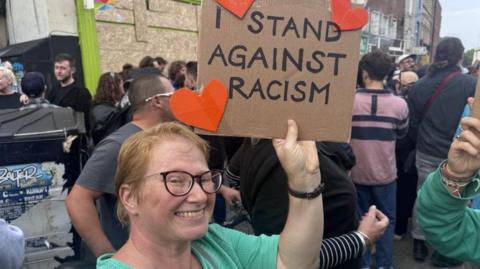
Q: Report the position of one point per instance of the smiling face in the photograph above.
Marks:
(162, 215)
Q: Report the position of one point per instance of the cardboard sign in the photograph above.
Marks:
(476, 104)
(203, 111)
(285, 59)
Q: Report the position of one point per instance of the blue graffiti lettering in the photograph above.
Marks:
(14, 176)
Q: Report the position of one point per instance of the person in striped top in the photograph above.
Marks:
(379, 118)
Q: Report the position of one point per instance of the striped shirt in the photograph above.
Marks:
(379, 118)
(337, 250)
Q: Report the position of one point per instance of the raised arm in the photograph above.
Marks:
(448, 224)
(301, 239)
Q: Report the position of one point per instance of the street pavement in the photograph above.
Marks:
(403, 256)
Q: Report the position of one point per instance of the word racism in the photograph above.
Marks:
(280, 59)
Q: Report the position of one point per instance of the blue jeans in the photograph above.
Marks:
(384, 197)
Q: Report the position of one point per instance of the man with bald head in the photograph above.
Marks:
(404, 81)
(103, 233)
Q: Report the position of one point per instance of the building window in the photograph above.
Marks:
(364, 45)
(375, 22)
(393, 28)
(384, 26)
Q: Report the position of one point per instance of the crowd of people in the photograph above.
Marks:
(146, 196)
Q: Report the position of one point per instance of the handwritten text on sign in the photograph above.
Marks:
(284, 59)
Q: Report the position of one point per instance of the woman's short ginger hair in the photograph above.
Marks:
(136, 151)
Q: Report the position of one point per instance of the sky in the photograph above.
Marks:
(460, 18)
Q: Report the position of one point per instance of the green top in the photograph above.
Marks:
(222, 248)
(449, 225)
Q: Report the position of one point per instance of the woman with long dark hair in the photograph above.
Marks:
(109, 93)
(436, 104)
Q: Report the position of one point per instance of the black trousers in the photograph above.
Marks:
(406, 190)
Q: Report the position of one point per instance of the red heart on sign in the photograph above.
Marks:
(346, 17)
(238, 7)
(204, 110)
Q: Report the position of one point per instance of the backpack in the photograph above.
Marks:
(116, 119)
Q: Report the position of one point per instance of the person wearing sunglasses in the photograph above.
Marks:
(166, 197)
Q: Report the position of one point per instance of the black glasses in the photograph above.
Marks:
(180, 183)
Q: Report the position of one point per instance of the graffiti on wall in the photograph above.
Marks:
(23, 186)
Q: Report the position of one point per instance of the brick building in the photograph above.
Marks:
(385, 28)
(402, 26)
(167, 28)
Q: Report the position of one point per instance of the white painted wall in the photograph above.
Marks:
(62, 18)
(33, 19)
(26, 20)
(3, 31)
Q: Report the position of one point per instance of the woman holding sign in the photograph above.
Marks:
(166, 194)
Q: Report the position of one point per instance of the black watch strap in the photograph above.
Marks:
(308, 195)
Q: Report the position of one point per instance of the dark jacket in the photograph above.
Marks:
(434, 133)
(264, 189)
(100, 115)
(10, 101)
(78, 98)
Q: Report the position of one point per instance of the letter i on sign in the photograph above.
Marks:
(219, 17)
